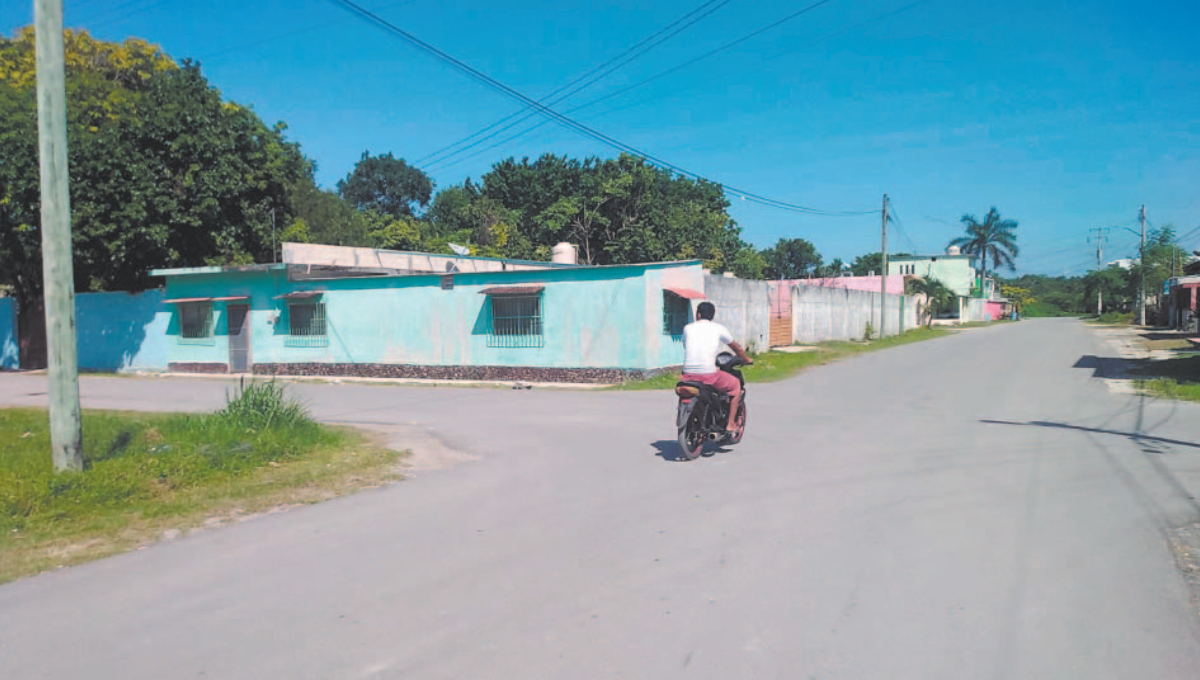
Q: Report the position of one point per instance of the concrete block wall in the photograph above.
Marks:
(822, 314)
(9, 351)
(743, 307)
(122, 331)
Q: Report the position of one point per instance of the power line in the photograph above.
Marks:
(496, 85)
(662, 74)
(894, 217)
(638, 49)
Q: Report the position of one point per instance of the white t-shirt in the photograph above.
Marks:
(702, 342)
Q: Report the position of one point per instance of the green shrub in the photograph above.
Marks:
(259, 406)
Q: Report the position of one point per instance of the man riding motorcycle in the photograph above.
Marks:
(702, 340)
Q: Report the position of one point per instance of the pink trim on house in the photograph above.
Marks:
(895, 283)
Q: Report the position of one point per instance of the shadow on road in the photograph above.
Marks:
(1109, 367)
(1132, 436)
(668, 449)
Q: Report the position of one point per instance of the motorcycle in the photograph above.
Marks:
(703, 412)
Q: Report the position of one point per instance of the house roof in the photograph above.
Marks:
(939, 256)
(298, 272)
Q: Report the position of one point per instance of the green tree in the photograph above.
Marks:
(1162, 260)
(865, 265)
(325, 217)
(791, 258)
(1110, 287)
(834, 269)
(163, 171)
(993, 239)
(387, 185)
(616, 211)
(938, 297)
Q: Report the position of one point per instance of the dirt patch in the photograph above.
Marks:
(1185, 545)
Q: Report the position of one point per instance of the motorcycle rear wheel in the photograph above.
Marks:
(691, 434)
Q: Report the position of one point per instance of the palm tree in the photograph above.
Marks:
(938, 297)
(993, 238)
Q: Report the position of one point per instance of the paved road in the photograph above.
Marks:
(969, 507)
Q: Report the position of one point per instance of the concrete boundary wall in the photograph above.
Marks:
(744, 307)
(119, 332)
(10, 359)
(820, 314)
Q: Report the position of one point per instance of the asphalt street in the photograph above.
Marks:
(975, 506)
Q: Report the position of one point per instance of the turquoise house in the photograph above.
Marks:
(377, 314)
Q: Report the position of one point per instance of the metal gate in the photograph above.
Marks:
(781, 314)
(238, 319)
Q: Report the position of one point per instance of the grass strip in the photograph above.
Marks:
(776, 366)
(1111, 319)
(1175, 378)
(147, 476)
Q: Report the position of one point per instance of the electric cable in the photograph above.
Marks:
(572, 124)
(659, 75)
(638, 49)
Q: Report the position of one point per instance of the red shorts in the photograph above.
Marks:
(723, 382)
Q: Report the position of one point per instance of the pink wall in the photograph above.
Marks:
(781, 290)
(995, 310)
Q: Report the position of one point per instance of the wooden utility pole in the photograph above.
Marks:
(1101, 232)
(58, 273)
(884, 272)
(1142, 268)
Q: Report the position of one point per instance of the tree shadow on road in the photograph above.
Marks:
(1146, 441)
(1109, 367)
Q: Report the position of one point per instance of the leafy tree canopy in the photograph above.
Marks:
(791, 258)
(387, 185)
(164, 173)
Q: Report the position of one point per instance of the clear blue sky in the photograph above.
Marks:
(1066, 115)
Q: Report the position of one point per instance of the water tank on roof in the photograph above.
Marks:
(953, 250)
(564, 253)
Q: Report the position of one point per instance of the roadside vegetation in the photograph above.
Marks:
(1111, 318)
(1175, 378)
(147, 476)
(776, 366)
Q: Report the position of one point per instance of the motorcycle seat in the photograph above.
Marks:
(688, 389)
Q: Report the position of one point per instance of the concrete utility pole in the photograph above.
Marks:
(1142, 268)
(1101, 232)
(58, 274)
(884, 272)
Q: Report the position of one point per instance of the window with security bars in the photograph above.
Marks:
(516, 321)
(675, 315)
(306, 325)
(195, 322)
